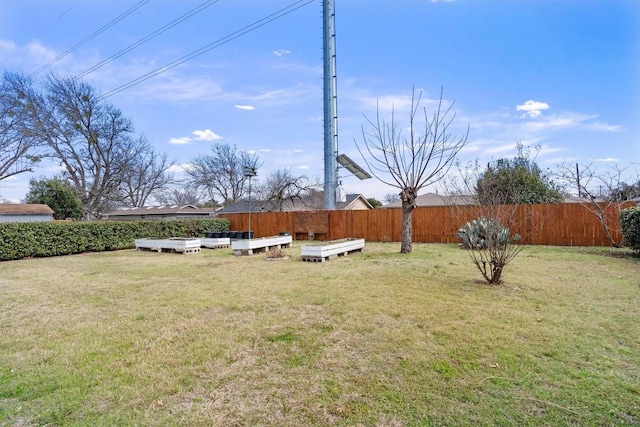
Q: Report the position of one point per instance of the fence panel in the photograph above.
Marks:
(564, 224)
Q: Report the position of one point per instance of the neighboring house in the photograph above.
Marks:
(315, 203)
(160, 212)
(354, 202)
(433, 199)
(10, 212)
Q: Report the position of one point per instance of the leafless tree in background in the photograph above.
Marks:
(603, 193)
(220, 174)
(180, 194)
(93, 141)
(281, 189)
(145, 176)
(414, 161)
(18, 144)
(391, 198)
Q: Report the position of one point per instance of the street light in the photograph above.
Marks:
(249, 172)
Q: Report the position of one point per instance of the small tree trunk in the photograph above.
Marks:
(407, 229)
(408, 197)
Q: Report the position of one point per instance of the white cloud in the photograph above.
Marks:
(180, 168)
(39, 52)
(178, 89)
(501, 149)
(245, 107)
(7, 45)
(558, 122)
(606, 160)
(180, 141)
(282, 52)
(287, 96)
(533, 108)
(546, 150)
(206, 135)
(599, 126)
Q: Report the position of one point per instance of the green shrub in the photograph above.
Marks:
(489, 246)
(45, 239)
(630, 223)
(485, 233)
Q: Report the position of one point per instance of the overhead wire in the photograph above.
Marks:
(65, 12)
(223, 40)
(145, 39)
(91, 36)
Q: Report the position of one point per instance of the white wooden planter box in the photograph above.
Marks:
(322, 252)
(215, 242)
(262, 244)
(182, 245)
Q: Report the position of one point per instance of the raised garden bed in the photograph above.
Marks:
(215, 242)
(183, 245)
(323, 251)
(263, 244)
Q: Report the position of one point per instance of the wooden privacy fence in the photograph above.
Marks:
(564, 224)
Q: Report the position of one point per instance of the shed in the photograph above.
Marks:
(15, 212)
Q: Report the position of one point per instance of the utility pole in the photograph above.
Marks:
(249, 172)
(578, 180)
(330, 106)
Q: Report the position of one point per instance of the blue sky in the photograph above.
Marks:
(564, 75)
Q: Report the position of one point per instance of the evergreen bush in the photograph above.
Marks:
(45, 239)
(630, 224)
(485, 233)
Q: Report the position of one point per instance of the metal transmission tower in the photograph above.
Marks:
(331, 157)
(330, 106)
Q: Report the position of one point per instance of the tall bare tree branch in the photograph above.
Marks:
(411, 162)
(18, 144)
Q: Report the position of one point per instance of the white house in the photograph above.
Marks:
(13, 212)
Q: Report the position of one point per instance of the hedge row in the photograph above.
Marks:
(45, 239)
(630, 223)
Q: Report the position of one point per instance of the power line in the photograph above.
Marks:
(226, 39)
(92, 36)
(65, 13)
(140, 42)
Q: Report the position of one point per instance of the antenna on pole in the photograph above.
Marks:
(330, 106)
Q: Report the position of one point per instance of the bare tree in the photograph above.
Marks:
(17, 142)
(146, 175)
(220, 174)
(281, 188)
(180, 195)
(391, 198)
(415, 161)
(600, 193)
(91, 138)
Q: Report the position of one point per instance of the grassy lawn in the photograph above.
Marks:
(375, 338)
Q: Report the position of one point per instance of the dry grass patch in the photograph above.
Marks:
(376, 338)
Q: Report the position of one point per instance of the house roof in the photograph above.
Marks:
(304, 204)
(25, 209)
(162, 210)
(351, 199)
(433, 199)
